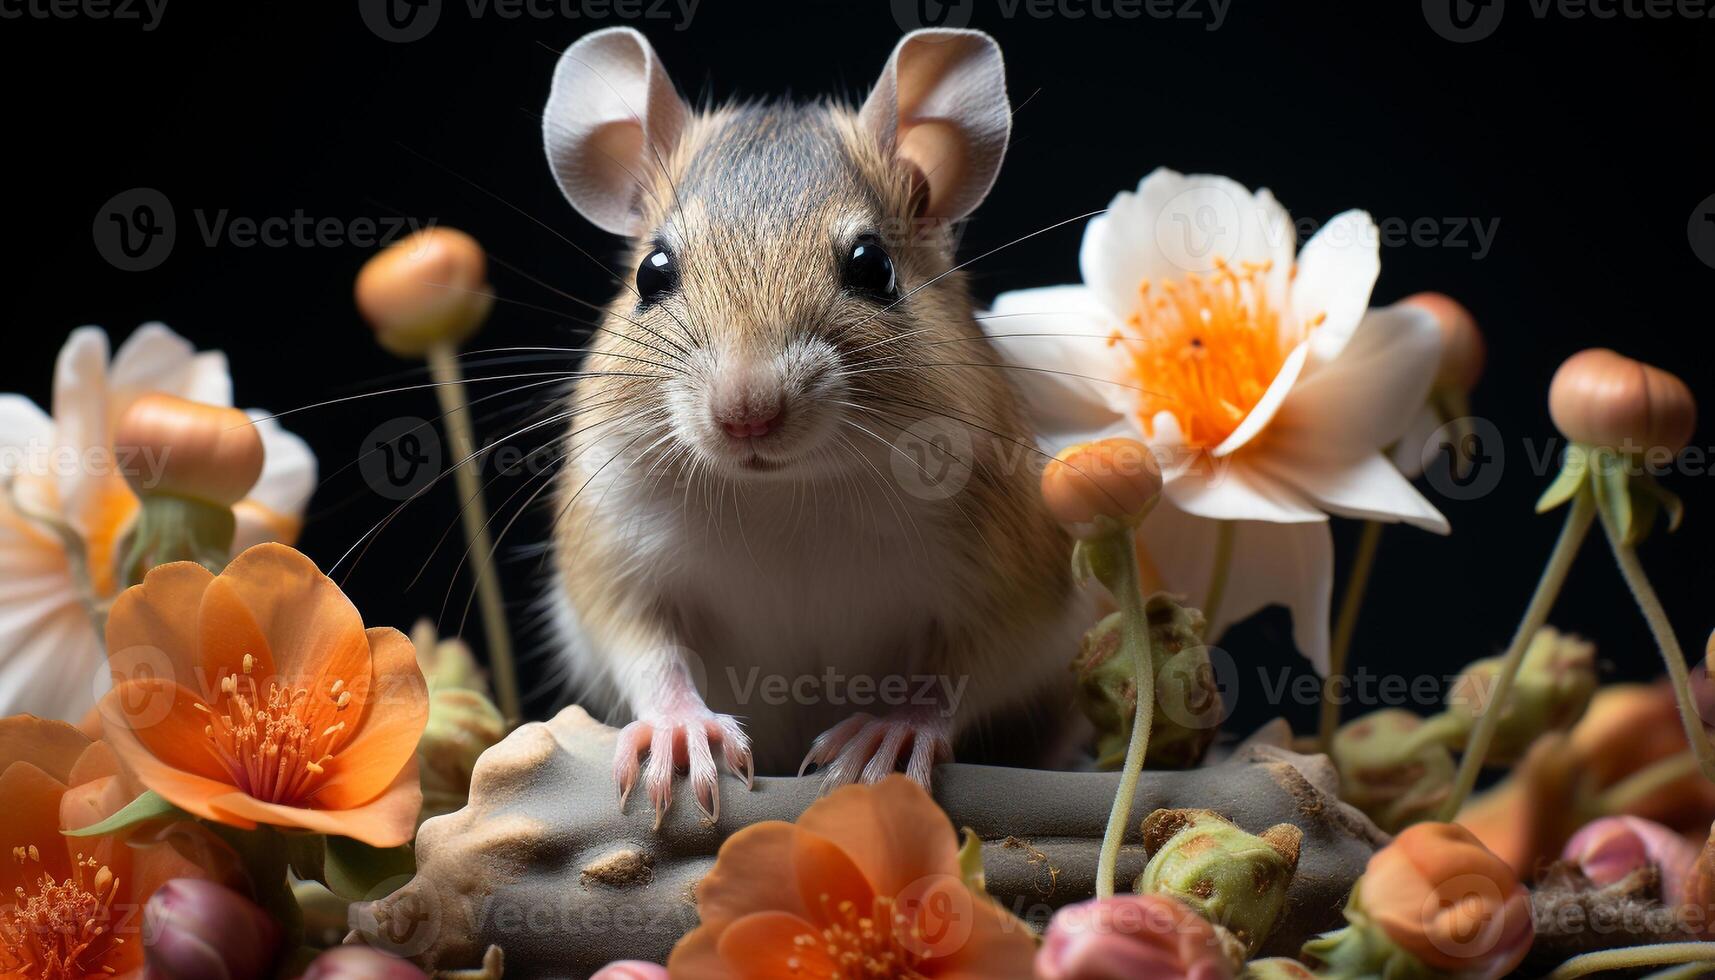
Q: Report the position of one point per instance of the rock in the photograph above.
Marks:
(542, 864)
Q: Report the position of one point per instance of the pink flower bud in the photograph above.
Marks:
(361, 963)
(631, 970)
(198, 930)
(1608, 849)
(1132, 937)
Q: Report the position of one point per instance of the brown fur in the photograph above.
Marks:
(757, 203)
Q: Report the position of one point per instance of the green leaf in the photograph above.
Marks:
(1646, 507)
(354, 870)
(1567, 483)
(1670, 501)
(1614, 493)
(150, 806)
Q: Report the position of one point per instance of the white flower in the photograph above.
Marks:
(1266, 385)
(63, 478)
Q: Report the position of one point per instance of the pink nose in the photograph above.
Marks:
(752, 421)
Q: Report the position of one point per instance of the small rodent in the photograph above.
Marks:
(747, 523)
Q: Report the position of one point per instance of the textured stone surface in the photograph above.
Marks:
(543, 864)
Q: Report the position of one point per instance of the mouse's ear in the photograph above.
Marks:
(940, 106)
(611, 121)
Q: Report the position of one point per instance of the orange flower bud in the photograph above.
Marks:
(1092, 486)
(1600, 398)
(1441, 896)
(1463, 351)
(188, 449)
(429, 288)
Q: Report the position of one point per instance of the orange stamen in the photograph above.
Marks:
(274, 747)
(59, 930)
(1207, 348)
(866, 947)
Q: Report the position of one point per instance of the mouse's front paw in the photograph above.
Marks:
(681, 739)
(867, 748)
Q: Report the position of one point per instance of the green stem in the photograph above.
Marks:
(1218, 577)
(1671, 654)
(449, 389)
(1578, 520)
(1632, 958)
(1363, 563)
(1122, 581)
(1683, 971)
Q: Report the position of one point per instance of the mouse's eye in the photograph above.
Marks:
(657, 276)
(869, 269)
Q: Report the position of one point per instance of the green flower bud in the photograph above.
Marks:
(1230, 877)
(1391, 769)
(1555, 683)
(446, 663)
(1187, 701)
(1277, 968)
(463, 722)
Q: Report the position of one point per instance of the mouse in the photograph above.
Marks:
(798, 523)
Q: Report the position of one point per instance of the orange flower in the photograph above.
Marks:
(866, 883)
(1440, 895)
(75, 905)
(257, 697)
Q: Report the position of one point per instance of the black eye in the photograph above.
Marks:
(869, 269)
(657, 276)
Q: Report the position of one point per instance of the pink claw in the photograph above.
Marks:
(869, 749)
(675, 740)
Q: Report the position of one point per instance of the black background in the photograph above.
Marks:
(1587, 140)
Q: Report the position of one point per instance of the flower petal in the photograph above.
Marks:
(81, 412)
(152, 629)
(1234, 488)
(893, 831)
(1418, 448)
(51, 663)
(388, 726)
(999, 947)
(1368, 489)
(154, 358)
(732, 889)
(765, 946)
(313, 630)
(23, 426)
(1273, 564)
(1336, 274)
(828, 880)
(227, 634)
(1175, 225)
(1263, 412)
(1367, 397)
(52, 746)
(1065, 388)
(157, 729)
(386, 821)
(274, 509)
(32, 799)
